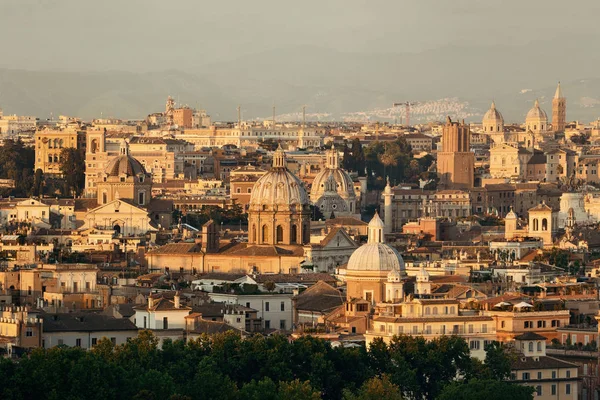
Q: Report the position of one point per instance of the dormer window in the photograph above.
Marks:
(141, 178)
(122, 179)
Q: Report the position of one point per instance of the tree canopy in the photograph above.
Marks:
(225, 366)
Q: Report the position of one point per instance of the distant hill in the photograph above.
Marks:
(326, 81)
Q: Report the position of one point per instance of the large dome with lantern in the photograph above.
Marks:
(279, 188)
(375, 255)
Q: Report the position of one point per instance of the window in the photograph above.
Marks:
(381, 328)
(266, 306)
(539, 374)
(553, 390)
(530, 346)
(525, 376)
(144, 322)
(165, 323)
(113, 340)
(78, 342)
(267, 324)
(474, 345)
(568, 373)
(538, 390)
(282, 324)
(94, 341)
(29, 290)
(553, 374)
(29, 332)
(282, 306)
(539, 346)
(502, 324)
(568, 388)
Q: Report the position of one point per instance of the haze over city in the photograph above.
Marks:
(315, 200)
(338, 57)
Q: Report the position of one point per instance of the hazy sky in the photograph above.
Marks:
(154, 35)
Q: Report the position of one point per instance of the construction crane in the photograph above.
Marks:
(407, 104)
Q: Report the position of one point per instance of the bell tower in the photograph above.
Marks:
(559, 111)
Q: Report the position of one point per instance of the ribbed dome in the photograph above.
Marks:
(493, 116)
(344, 184)
(376, 255)
(124, 164)
(536, 113)
(278, 187)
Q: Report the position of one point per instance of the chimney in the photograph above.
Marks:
(177, 299)
(150, 301)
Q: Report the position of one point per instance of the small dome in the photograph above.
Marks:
(376, 255)
(124, 164)
(536, 113)
(343, 181)
(511, 214)
(422, 275)
(493, 116)
(278, 187)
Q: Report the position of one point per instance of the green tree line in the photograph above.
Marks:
(386, 159)
(225, 366)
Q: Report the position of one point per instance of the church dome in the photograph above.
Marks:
(536, 113)
(124, 164)
(343, 181)
(376, 255)
(493, 116)
(278, 187)
(511, 214)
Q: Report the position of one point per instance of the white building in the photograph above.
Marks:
(161, 313)
(275, 309)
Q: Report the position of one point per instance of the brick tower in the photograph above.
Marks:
(559, 111)
(455, 163)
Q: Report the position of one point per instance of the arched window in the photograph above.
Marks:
(544, 224)
(253, 238)
(104, 198)
(535, 224)
(238, 190)
(279, 234)
(427, 311)
(530, 346)
(294, 234)
(503, 161)
(435, 311)
(539, 346)
(452, 310)
(265, 234)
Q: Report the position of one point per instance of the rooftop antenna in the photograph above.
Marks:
(239, 111)
(273, 115)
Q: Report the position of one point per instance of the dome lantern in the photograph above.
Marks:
(279, 158)
(376, 229)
